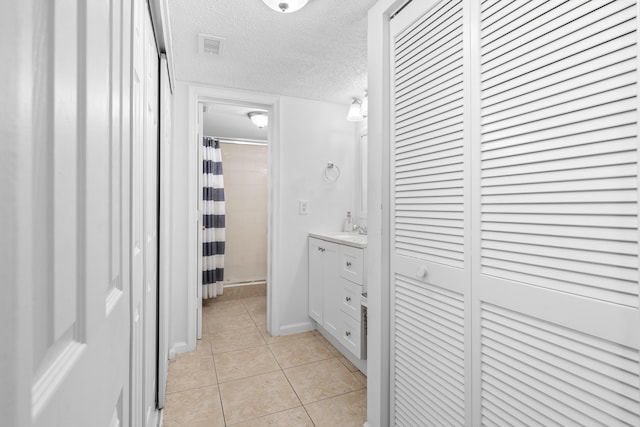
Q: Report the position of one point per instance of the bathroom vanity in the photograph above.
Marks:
(337, 280)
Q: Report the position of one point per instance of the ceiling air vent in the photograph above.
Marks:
(210, 45)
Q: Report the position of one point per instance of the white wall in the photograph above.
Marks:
(312, 133)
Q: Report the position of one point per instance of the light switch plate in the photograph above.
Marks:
(303, 207)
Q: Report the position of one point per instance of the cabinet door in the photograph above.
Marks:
(316, 273)
(351, 335)
(332, 289)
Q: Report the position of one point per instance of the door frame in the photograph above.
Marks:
(271, 103)
(378, 210)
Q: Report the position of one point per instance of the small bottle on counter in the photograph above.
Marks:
(348, 223)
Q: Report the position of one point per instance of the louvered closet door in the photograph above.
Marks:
(555, 214)
(430, 267)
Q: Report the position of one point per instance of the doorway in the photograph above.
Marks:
(205, 95)
(234, 246)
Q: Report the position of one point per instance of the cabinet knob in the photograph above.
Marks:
(421, 273)
(348, 299)
(348, 333)
(348, 263)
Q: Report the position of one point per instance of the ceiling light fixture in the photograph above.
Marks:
(355, 111)
(285, 6)
(259, 118)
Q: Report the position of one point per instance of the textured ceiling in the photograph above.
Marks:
(317, 53)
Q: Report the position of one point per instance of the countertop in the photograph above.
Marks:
(350, 239)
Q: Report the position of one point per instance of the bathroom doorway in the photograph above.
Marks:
(197, 96)
(244, 157)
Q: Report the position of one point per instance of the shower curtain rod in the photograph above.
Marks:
(239, 140)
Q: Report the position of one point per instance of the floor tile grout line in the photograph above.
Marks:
(192, 388)
(273, 413)
(296, 393)
(224, 418)
(309, 363)
(340, 394)
(275, 358)
(332, 397)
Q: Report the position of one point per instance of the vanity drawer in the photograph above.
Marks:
(351, 335)
(350, 299)
(351, 264)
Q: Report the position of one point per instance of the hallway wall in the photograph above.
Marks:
(312, 133)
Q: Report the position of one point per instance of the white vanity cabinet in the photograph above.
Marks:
(323, 277)
(336, 284)
(319, 258)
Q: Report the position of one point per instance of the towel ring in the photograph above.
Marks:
(331, 172)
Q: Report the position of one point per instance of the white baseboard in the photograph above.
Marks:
(181, 347)
(296, 328)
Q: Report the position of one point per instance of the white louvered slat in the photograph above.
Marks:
(424, 32)
(556, 215)
(430, 378)
(566, 34)
(428, 134)
(542, 146)
(428, 354)
(578, 378)
(580, 61)
(518, 22)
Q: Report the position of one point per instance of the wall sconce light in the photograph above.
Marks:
(355, 111)
(259, 118)
(364, 108)
(285, 6)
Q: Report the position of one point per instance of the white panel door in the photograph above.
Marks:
(166, 110)
(430, 258)
(79, 185)
(555, 214)
(151, 181)
(144, 219)
(137, 218)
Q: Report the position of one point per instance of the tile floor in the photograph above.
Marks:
(239, 375)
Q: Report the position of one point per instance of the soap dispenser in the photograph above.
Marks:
(348, 224)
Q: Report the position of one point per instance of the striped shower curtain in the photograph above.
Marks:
(212, 219)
